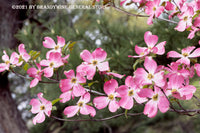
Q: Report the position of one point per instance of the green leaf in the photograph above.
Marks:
(54, 108)
(34, 54)
(91, 83)
(56, 100)
(20, 59)
(126, 111)
(136, 63)
(26, 66)
(71, 45)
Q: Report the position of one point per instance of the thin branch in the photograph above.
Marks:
(168, 20)
(176, 5)
(187, 113)
(171, 105)
(95, 92)
(19, 75)
(137, 15)
(103, 119)
(128, 13)
(196, 111)
(196, 98)
(49, 82)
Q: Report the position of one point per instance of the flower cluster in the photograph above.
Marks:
(186, 11)
(152, 85)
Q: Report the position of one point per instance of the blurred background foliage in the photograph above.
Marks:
(117, 34)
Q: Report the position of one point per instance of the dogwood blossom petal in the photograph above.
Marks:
(49, 42)
(113, 106)
(100, 102)
(39, 118)
(109, 86)
(70, 111)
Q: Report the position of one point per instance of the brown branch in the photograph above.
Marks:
(19, 75)
(137, 15)
(95, 92)
(196, 98)
(187, 113)
(103, 119)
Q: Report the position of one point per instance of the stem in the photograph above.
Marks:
(96, 92)
(137, 15)
(103, 119)
(19, 75)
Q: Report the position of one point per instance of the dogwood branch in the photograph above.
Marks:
(139, 15)
(96, 92)
(103, 119)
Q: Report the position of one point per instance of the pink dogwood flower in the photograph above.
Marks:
(177, 70)
(36, 74)
(157, 101)
(185, 55)
(93, 60)
(151, 75)
(150, 41)
(22, 53)
(49, 43)
(180, 91)
(153, 9)
(66, 96)
(128, 92)
(54, 61)
(40, 107)
(81, 107)
(72, 83)
(185, 18)
(12, 60)
(110, 90)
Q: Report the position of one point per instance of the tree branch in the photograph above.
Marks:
(137, 15)
(103, 119)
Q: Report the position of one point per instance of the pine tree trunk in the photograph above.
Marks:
(10, 21)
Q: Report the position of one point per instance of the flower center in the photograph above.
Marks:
(111, 97)
(174, 91)
(150, 76)
(94, 62)
(73, 80)
(185, 18)
(155, 97)
(185, 54)
(80, 104)
(154, 8)
(38, 72)
(7, 62)
(51, 64)
(56, 47)
(130, 93)
(42, 107)
(142, 53)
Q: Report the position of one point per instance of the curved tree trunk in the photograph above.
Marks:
(10, 21)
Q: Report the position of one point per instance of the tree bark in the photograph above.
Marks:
(10, 22)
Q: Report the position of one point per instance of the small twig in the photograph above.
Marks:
(96, 92)
(196, 98)
(19, 75)
(49, 82)
(103, 119)
(176, 5)
(137, 15)
(128, 13)
(187, 113)
(171, 105)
